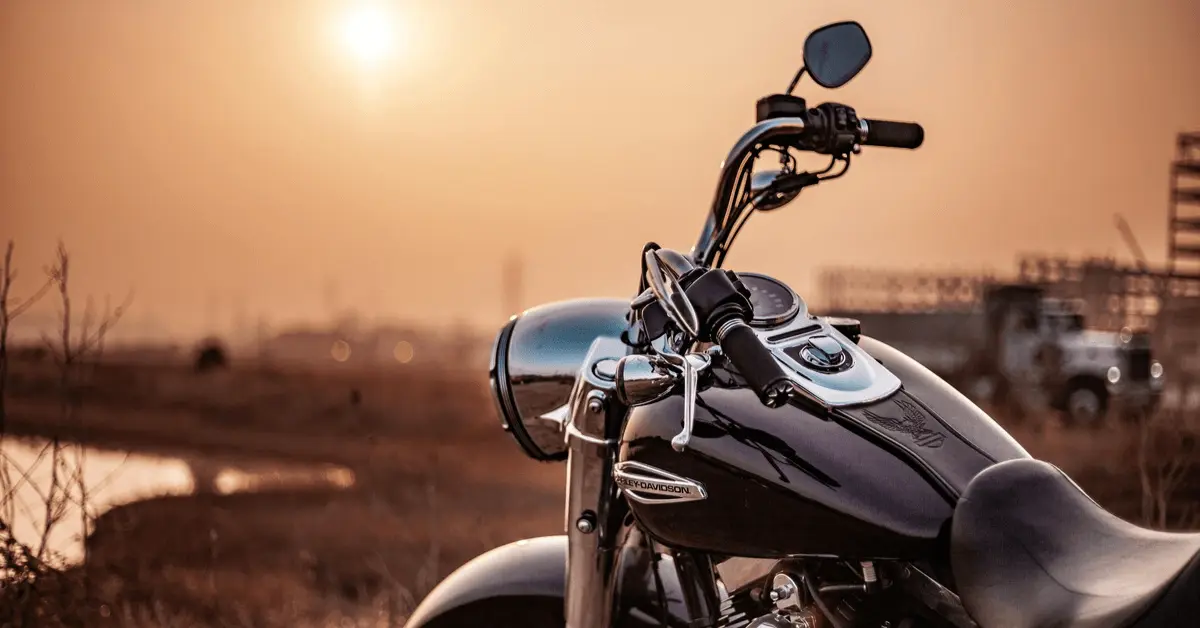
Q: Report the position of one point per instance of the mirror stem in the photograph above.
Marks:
(796, 79)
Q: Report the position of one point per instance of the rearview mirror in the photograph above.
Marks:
(760, 182)
(836, 53)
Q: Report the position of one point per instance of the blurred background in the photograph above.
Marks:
(260, 251)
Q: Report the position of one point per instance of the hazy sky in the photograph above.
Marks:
(233, 153)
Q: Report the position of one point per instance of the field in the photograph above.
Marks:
(435, 483)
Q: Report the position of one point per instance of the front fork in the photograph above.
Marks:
(595, 513)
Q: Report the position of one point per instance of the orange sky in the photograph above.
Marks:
(229, 153)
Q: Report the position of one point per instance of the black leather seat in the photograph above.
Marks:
(1030, 548)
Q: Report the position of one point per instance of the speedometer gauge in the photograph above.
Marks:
(774, 303)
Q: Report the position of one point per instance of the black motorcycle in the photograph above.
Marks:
(734, 460)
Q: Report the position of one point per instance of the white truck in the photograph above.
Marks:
(1019, 349)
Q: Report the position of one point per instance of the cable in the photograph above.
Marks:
(739, 184)
(741, 191)
(816, 596)
(741, 198)
(728, 244)
(829, 167)
(732, 213)
(723, 238)
(788, 161)
(846, 167)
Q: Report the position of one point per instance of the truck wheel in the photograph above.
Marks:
(1086, 404)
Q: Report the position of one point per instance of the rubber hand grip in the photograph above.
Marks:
(754, 361)
(894, 134)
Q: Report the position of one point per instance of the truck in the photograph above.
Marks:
(1013, 346)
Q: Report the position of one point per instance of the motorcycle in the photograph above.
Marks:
(736, 460)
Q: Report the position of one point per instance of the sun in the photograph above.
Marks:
(370, 34)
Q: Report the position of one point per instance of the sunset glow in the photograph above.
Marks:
(370, 34)
(266, 149)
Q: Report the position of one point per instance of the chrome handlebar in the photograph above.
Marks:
(705, 251)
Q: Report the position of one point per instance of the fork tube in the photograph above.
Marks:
(594, 513)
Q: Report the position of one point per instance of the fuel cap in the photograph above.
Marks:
(823, 353)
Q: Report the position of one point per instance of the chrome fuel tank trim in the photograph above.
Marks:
(828, 365)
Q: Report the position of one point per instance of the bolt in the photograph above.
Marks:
(585, 524)
(596, 402)
(781, 592)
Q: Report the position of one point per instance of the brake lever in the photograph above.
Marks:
(690, 366)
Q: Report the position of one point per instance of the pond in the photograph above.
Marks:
(114, 478)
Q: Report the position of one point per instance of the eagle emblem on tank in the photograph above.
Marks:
(911, 422)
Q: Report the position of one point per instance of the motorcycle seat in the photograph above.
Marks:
(1028, 548)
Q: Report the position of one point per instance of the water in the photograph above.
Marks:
(111, 479)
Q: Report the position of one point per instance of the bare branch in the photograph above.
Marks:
(107, 322)
(51, 498)
(72, 351)
(25, 473)
(89, 311)
(20, 308)
(1166, 455)
(85, 517)
(6, 279)
(60, 273)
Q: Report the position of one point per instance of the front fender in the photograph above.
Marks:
(524, 584)
(519, 584)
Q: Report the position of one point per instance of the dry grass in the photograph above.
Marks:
(436, 484)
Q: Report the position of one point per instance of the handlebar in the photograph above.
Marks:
(715, 305)
(827, 129)
(705, 250)
(890, 134)
(754, 361)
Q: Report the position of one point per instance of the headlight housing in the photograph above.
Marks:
(535, 359)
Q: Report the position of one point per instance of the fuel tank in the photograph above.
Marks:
(876, 480)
